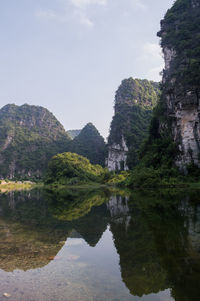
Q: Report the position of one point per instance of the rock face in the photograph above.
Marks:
(134, 102)
(29, 137)
(117, 156)
(180, 40)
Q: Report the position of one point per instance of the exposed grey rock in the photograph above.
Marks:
(117, 156)
(183, 106)
(181, 85)
(119, 210)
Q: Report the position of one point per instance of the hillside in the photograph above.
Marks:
(29, 137)
(90, 144)
(134, 102)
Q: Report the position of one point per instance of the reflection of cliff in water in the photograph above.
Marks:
(84, 209)
(156, 236)
(140, 266)
(31, 235)
(92, 226)
(177, 238)
(160, 248)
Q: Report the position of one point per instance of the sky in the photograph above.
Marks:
(70, 56)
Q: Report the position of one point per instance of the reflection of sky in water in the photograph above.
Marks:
(78, 272)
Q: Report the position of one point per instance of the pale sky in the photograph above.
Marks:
(70, 56)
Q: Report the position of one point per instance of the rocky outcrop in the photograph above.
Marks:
(180, 40)
(117, 156)
(134, 101)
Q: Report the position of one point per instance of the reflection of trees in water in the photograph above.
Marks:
(175, 231)
(68, 205)
(160, 248)
(93, 225)
(30, 237)
(156, 236)
(31, 232)
(140, 265)
(85, 209)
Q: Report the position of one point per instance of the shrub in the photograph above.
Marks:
(70, 168)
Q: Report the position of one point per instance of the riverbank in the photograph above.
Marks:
(17, 185)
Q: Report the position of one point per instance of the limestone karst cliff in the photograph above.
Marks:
(29, 137)
(134, 102)
(178, 114)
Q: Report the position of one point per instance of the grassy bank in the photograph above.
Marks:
(17, 185)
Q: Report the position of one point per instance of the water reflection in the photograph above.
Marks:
(109, 245)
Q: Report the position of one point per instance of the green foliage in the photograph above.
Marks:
(159, 152)
(138, 91)
(134, 103)
(118, 179)
(157, 155)
(29, 137)
(90, 144)
(68, 205)
(181, 31)
(69, 168)
(148, 177)
(193, 172)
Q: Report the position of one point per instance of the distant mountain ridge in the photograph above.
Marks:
(73, 133)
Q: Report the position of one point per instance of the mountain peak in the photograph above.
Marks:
(29, 137)
(90, 144)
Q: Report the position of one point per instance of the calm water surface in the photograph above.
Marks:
(100, 245)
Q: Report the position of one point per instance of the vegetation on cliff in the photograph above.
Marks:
(90, 144)
(29, 137)
(180, 40)
(180, 32)
(134, 102)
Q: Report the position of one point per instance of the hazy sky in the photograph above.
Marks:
(71, 55)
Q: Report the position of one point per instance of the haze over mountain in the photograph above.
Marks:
(73, 133)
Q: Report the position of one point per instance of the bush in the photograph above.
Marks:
(118, 179)
(148, 177)
(70, 168)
